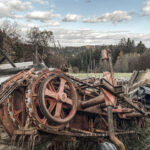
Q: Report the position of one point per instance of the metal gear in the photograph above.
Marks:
(32, 104)
(58, 98)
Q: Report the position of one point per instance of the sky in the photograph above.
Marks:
(82, 22)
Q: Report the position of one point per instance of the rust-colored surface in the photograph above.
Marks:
(58, 99)
(6, 121)
(50, 104)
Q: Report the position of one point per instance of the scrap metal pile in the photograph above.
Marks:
(51, 105)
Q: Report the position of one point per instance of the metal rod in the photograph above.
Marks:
(92, 102)
(111, 129)
(129, 101)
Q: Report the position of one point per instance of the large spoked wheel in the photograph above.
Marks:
(33, 106)
(58, 98)
(107, 146)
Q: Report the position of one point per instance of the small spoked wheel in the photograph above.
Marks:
(58, 99)
(107, 146)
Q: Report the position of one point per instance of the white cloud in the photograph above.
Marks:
(52, 23)
(41, 15)
(115, 17)
(18, 5)
(71, 18)
(82, 37)
(146, 8)
(24, 27)
(8, 8)
(41, 1)
(5, 10)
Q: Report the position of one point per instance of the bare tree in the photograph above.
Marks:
(9, 38)
(40, 41)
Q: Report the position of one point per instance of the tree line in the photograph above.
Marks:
(126, 55)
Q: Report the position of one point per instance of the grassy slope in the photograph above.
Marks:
(99, 75)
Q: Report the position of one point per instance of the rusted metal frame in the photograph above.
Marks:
(92, 110)
(14, 84)
(111, 131)
(12, 79)
(89, 93)
(72, 132)
(89, 80)
(111, 66)
(116, 133)
(99, 133)
(115, 90)
(122, 110)
(83, 133)
(82, 82)
(16, 106)
(91, 125)
(32, 99)
(110, 104)
(6, 93)
(133, 115)
(18, 76)
(125, 98)
(129, 101)
(60, 98)
(110, 99)
(92, 102)
(25, 132)
(136, 86)
(7, 123)
(134, 76)
(103, 119)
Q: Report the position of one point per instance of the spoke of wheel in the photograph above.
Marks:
(58, 109)
(62, 115)
(51, 87)
(68, 101)
(50, 93)
(36, 103)
(62, 85)
(17, 112)
(52, 105)
(44, 121)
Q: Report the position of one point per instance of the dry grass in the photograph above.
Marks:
(99, 75)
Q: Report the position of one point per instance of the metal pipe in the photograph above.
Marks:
(133, 115)
(111, 131)
(92, 102)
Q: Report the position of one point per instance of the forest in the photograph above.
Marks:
(127, 55)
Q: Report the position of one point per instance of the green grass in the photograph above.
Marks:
(99, 75)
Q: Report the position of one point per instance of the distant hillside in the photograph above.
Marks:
(126, 55)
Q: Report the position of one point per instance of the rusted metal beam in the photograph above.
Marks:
(111, 131)
(129, 101)
(133, 115)
(115, 90)
(92, 102)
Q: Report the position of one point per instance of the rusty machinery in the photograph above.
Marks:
(50, 105)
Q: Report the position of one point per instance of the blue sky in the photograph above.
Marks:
(82, 22)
